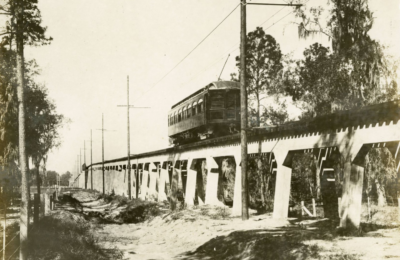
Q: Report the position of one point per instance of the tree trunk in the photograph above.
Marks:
(317, 179)
(261, 180)
(258, 111)
(38, 179)
(380, 190)
(24, 215)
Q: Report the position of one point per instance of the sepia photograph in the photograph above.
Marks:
(199, 130)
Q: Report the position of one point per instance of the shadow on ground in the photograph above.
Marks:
(284, 243)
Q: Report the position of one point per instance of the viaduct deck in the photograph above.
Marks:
(349, 134)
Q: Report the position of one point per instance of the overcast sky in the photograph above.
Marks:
(97, 43)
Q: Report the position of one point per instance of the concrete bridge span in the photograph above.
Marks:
(349, 134)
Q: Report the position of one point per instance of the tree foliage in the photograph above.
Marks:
(24, 17)
(65, 179)
(356, 73)
(380, 170)
(263, 65)
(304, 184)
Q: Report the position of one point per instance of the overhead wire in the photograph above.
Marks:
(237, 45)
(187, 55)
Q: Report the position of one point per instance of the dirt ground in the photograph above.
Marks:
(210, 233)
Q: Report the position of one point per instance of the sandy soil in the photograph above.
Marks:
(209, 233)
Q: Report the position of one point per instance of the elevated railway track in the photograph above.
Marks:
(348, 134)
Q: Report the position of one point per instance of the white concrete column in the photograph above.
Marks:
(282, 187)
(153, 180)
(190, 183)
(350, 207)
(133, 179)
(143, 186)
(161, 183)
(237, 195)
(212, 182)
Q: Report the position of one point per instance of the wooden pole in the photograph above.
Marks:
(129, 147)
(23, 164)
(4, 230)
(91, 162)
(102, 148)
(243, 110)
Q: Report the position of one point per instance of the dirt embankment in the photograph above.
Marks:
(147, 230)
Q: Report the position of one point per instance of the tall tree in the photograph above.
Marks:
(357, 61)
(380, 169)
(320, 82)
(43, 125)
(263, 65)
(65, 179)
(25, 24)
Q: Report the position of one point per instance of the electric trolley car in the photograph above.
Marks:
(212, 111)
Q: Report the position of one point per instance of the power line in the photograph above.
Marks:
(193, 49)
(236, 46)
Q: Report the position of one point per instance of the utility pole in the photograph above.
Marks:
(91, 161)
(102, 148)
(243, 102)
(84, 162)
(129, 141)
(243, 111)
(77, 171)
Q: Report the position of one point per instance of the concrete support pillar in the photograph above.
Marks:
(237, 195)
(190, 183)
(47, 204)
(42, 205)
(143, 185)
(212, 182)
(350, 206)
(175, 184)
(282, 187)
(161, 184)
(153, 181)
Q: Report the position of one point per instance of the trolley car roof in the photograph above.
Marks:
(213, 85)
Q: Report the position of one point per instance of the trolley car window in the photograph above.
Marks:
(194, 108)
(184, 113)
(200, 106)
(189, 110)
(175, 117)
(217, 101)
(230, 100)
(179, 115)
(217, 114)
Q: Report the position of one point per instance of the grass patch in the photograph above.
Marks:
(138, 210)
(66, 239)
(12, 239)
(265, 244)
(114, 199)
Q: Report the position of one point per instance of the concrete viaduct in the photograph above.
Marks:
(351, 134)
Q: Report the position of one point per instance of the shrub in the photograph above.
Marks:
(53, 238)
(139, 211)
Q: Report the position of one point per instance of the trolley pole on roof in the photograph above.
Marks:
(129, 144)
(243, 111)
